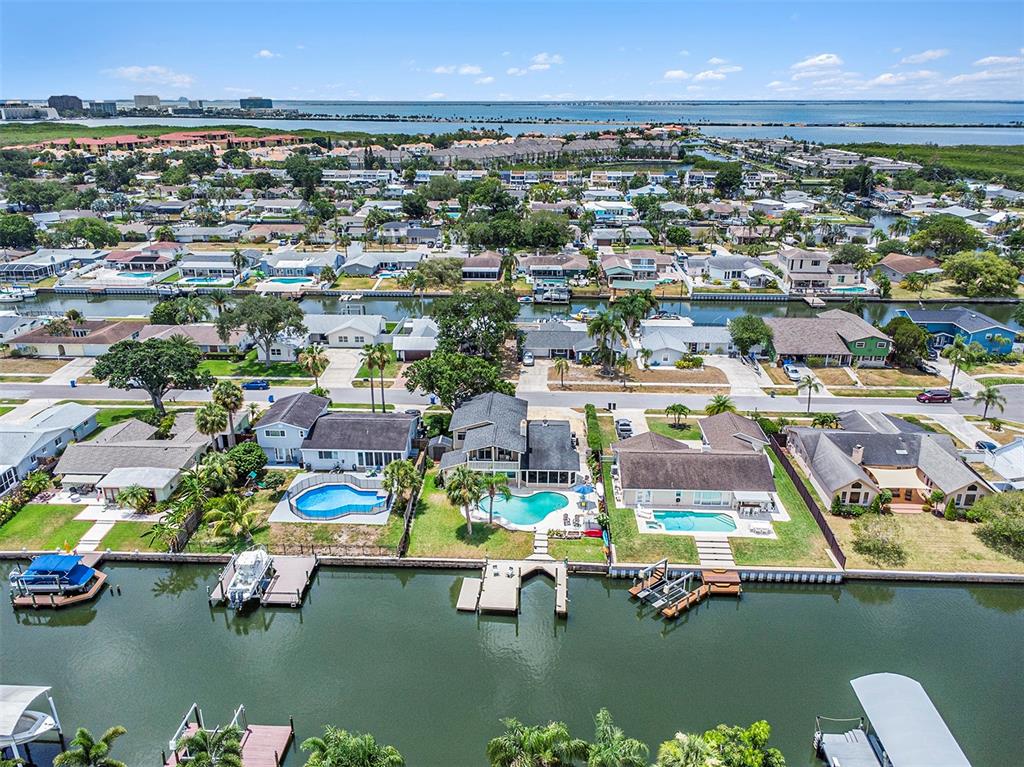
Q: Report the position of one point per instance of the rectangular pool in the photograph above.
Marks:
(685, 521)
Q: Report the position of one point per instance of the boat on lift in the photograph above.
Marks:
(19, 725)
(253, 571)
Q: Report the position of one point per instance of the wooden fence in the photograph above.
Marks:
(777, 446)
(410, 507)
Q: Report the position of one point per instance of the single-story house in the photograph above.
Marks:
(14, 325)
(837, 337)
(363, 263)
(727, 268)
(225, 233)
(336, 331)
(139, 260)
(896, 266)
(671, 340)
(288, 262)
(203, 335)
(88, 338)
(47, 262)
(482, 266)
(358, 440)
(415, 338)
(279, 207)
(943, 325)
(732, 432)
(24, 443)
(554, 267)
(567, 339)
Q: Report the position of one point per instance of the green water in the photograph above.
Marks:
(386, 652)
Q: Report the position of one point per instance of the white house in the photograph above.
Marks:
(23, 444)
(283, 427)
(670, 340)
(358, 440)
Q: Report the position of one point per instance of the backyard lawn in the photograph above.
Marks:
(579, 550)
(439, 530)
(108, 416)
(126, 536)
(666, 428)
(252, 367)
(800, 542)
(633, 546)
(354, 283)
(43, 527)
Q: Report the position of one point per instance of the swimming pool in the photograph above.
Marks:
(291, 280)
(695, 522)
(525, 509)
(851, 289)
(205, 280)
(137, 275)
(333, 501)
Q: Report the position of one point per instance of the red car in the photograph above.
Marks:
(935, 395)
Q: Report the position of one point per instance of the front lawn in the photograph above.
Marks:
(43, 527)
(666, 428)
(390, 370)
(126, 536)
(1000, 380)
(30, 365)
(439, 530)
(800, 542)
(899, 377)
(252, 367)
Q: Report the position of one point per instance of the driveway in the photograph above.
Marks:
(75, 369)
(534, 378)
(344, 364)
(745, 379)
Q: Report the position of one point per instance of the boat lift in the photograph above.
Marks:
(19, 725)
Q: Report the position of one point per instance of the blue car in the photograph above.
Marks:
(258, 384)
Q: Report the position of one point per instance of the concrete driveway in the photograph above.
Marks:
(75, 369)
(344, 365)
(534, 378)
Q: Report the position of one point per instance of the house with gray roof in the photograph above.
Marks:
(492, 434)
(335, 331)
(223, 233)
(14, 325)
(567, 339)
(285, 424)
(872, 454)
(671, 340)
(836, 336)
(732, 432)
(25, 444)
(358, 441)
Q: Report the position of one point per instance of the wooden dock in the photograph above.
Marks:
(287, 587)
(57, 601)
(502, 581)
(263, 745)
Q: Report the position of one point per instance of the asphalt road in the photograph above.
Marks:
(1014, 409)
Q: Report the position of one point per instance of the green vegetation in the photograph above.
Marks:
(251, 367)
(800, 543)
(1001, 380)
(974, 160)
(633, 546)
(577, 550)
(390, 370)
(108, 416)
(666, 428)
(127, 536)
(42, 527)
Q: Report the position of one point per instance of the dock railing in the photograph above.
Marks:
(812, 504)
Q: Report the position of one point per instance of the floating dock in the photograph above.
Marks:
(57, 601)
(263, 745)
(287, 587)
(814, 301)
(499, 587)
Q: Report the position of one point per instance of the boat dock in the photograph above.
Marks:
(814, 301)
(498, 588)
(673, 596)
(287, 587)
(263, 745)
(57, 601)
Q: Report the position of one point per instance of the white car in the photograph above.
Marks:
(792, 372)
(528, 359)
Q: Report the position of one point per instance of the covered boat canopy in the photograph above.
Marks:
(54, 571)
(14, 701)
(906, 722)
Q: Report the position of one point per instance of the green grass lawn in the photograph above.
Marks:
(6, 409)
(1001, 380)
(108, 416)
(579, 550)
(43, 527)
(800, 542)
(354, 283)
(252, 367)
(975, 160)
(665, 427)
(390, 371)
(126, 536)
(439, 530)
(633, 546)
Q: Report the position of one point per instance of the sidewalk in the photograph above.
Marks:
(75, 369)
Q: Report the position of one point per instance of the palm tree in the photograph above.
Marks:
(229, 396)
(74, 316)
(385, 356)
(464, 488)
(89, 752)
(218, 748)
(990, 396)
(561, 367)
(314, 361)
(239, 261)
(687, 750)
(219, 300)
(548, 745)
(135, 497)
(193, 491)
(191, 310)
(415, 281)
(369, 358)
(644, 355)
(678, 411)
(165, 531)
(401, 478)
(719, 404)
(826, 421)
(607, 328)
(339, 748)
(809, 385)
(211, 419)
(495, 484)
(960, 355)
(218, 471)
(899, 227)
(231, 516)
(611, 747)
(856, 305)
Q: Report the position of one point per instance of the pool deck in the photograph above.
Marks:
(497, 591)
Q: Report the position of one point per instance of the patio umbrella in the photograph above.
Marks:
(584, 490)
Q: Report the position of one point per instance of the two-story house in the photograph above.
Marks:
(943, 325)
(804, 270)
(284, 426)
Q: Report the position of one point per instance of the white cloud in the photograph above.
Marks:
(889, 78)
(235, 89)
(810, 74)
(548, 59)
(987, 75)
(436, 95)
(541, 62)
(538, 67)
(444, 69)
(470, 69)
(821, 61)
(715, 61)
(729, 69)
(780, 86)
(998, 61)
(684, 52)
(676, 74)
(154, 74)
(484, 80)
(264, 53)
(300, 47)
(708, 74)
(515, 71)
(930, 55)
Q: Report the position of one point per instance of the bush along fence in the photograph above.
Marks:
(410, 507)
(812, 505)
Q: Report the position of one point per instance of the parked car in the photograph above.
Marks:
(926, 367)
(935, 395)
(624, 428)
(528, 359)
(984, 444)
(932, 354)
(257, 384)
(792, 373)
(412, 411)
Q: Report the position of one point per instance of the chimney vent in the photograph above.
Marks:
(857, 456)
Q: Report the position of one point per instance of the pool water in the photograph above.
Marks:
(138, 275)
(525, 509)
(204, 280)
(695, 522)
(851, 289)
(290, 280)
(333, 501)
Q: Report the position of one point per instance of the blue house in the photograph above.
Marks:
(943, 325)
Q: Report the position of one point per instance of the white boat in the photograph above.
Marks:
(20, 725)
(526, 299)
(253, 570)
(7, 297)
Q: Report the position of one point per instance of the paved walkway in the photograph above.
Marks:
(963, 382)
(962, 429)
(93, 537)
(714, 552)
(78, 367)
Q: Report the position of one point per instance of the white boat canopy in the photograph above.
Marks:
(14, 700)
(906, 722)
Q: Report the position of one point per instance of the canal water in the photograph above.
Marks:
(702, 312)
(386, 652)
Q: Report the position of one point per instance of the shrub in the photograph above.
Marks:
(768, 426)
(247, 457)
(816, 362)
(950, 513)
(594, 441)
(734, 285)
(880, 539)
(689, 362)
(273, 480)
(1002, 517)
(319, 391)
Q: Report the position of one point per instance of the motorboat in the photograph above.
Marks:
(253, 571)
(585, 314)
(525, 299)
(19, 724)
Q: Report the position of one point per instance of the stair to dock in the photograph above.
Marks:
(540, 546)
(714, 552)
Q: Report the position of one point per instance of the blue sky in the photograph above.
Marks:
(497, 49)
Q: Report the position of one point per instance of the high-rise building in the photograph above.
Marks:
(147, 102)
(195, 104)
(105, 108)
(256, 102)
(65, 103)
(19, 110)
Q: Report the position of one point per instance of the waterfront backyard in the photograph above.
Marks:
(393, 624)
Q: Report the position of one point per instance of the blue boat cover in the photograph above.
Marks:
(54, 563)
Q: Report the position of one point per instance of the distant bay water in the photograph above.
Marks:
(938, 122)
